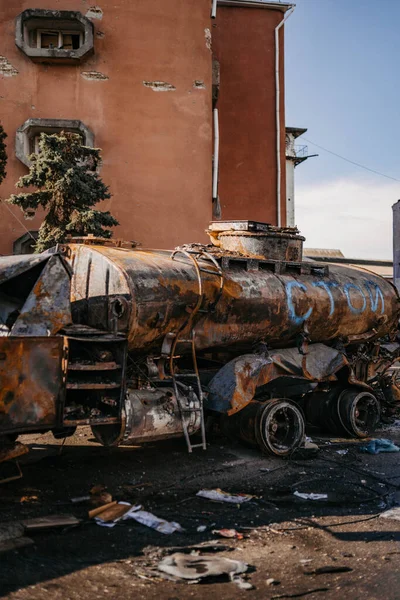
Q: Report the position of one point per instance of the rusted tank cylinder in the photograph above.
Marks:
(147, 294)
(351, 411)
(275, 426)
(150, 415)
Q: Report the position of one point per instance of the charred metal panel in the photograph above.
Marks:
(47, 308)
(235, 385)
(32, 374)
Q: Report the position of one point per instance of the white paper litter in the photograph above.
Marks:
(218, 495)
(310, 496)
(393, 513)
(150, 520)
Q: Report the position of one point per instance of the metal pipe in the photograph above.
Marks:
(214, 9)
(396, 244)
(278, 117)
(216, 155)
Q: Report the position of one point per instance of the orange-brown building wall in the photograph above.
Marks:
(157, 146)
(244, 44)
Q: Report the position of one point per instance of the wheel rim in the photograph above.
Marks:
(358, 412)
(281, 427)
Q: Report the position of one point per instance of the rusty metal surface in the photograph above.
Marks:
(259, 302)
(235, 385)
(154, 414)
(257, 240)
(13, 266)
(32, 371)
(47, 309)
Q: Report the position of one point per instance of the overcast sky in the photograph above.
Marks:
(343, 84)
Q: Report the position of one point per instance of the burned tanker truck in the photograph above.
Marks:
(145, 345)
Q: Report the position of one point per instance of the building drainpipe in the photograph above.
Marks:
(216, 162)
(278, 117)
(214, 9)
(396, 244)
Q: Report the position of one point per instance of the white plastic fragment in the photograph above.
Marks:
(342, 452)
(201, 528)
(393, 513)
(310, 496)
(150, 520)
(194, 567)
(218, 495)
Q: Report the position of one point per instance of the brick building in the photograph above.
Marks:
(140, 80)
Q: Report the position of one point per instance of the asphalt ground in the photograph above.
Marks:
(285, 538)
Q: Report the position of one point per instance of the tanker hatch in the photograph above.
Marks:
(258, 240)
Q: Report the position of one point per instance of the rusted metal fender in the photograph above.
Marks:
(235, 385)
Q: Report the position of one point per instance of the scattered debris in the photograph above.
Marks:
(195, 568)
(201, 528)
(328, 569)
(342, 452)
(228, 533)
(159, 86)
(50, 522)
(10, 531)
(379, 445)
(272, 581)
(393, 513)
(12, 451)
(301, 594)
(79, 499)
(241, 583)
(218, 495)
(97, 511)
(150, 520)
(15, 544)
(112, 514)
(310, 496)
(99, 496)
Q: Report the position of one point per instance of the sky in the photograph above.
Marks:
(343, 85)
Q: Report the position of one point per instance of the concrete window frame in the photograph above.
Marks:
(33, 23)
(25, 243)
(27, 134)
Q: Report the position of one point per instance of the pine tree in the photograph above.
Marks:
(3, 154)
(68, 187)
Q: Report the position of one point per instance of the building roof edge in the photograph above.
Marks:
(282, 7)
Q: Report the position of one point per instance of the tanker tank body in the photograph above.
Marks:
(243, 327)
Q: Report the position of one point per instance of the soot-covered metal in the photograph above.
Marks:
(147, 344)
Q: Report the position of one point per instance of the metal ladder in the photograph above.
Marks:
(194, 256)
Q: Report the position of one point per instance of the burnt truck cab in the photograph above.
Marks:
(54, 375)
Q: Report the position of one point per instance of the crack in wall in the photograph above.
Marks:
(94, 12)
(94, 76)
(6, 67)
(159, 86)
(207, 34)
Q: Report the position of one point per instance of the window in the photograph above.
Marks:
(61, 40)
(54, 36)
(28, 135)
